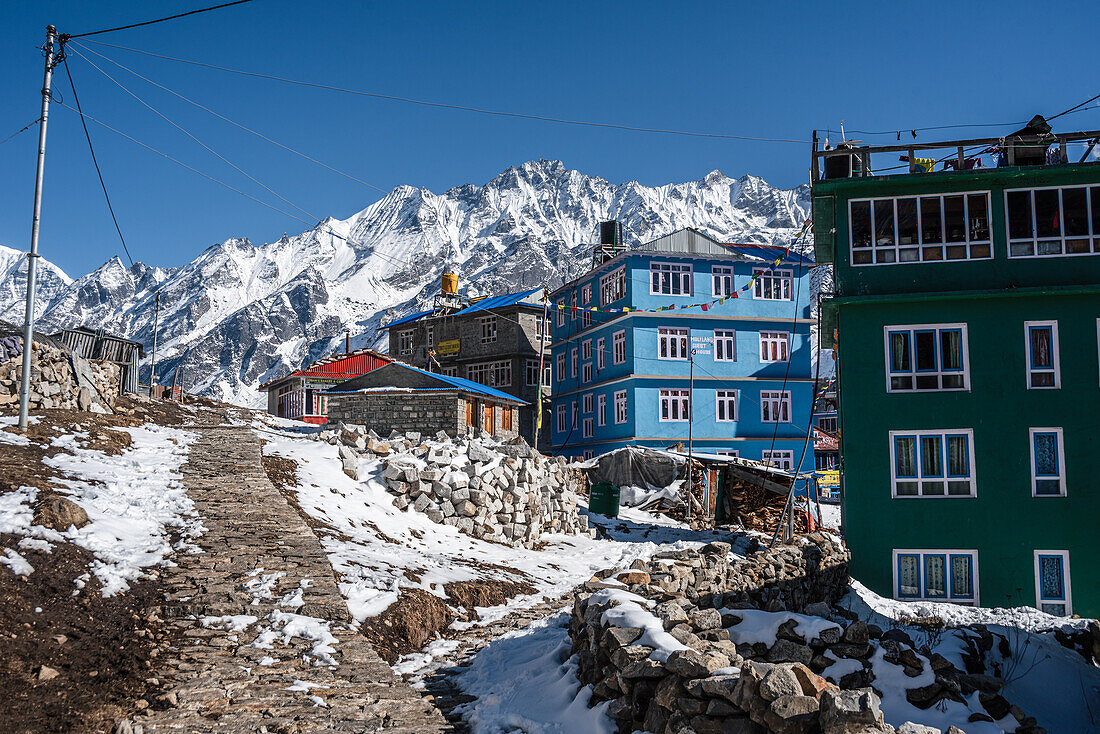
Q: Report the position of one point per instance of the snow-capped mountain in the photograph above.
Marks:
(239, 314)
(13, 284)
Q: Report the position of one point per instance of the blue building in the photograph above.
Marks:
(623, 378)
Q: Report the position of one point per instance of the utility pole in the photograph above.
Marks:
(32, 256)
(691, 419)
(543, 335)
(153, 372)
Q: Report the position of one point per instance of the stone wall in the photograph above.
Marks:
(60, 380)
(505, 492)
(401, 411)
(672, 661)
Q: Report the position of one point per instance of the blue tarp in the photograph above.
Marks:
(407, 319)
(455, 382)
(770, 253)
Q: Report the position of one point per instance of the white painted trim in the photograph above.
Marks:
(912, 328)
(784, 397)
(723, 271)
(778, 272)
(942, 433)
(1034, 239)
(681, 394)
(1061, 461)
(972, 552)
(1065, 581)
(784, 335)
(736, 406)
(1055, 353)
(943, 229)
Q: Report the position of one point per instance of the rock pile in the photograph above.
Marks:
(717, 663)
(60, 381)
(504, 492)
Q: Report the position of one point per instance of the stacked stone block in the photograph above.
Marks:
(59, 382)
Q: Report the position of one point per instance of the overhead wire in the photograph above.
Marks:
(157, 20)
(464, 108)
(26, 127)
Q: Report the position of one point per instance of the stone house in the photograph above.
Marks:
(397, 397)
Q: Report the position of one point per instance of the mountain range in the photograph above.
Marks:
(239, 314)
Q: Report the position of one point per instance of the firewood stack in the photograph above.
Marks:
(755, 508)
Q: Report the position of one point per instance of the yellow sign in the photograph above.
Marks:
(828, 479)
(447, 347)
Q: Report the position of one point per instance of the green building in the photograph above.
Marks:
(966, 319)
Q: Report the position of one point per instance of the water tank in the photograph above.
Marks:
(611, 232)
(449, 285)
(843, 166)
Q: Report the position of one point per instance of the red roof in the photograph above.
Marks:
(342, 367)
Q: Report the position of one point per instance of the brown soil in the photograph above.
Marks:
(467, 595)
(103, 662)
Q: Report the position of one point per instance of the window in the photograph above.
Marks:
(601, 353)
(1051, 222)
(431, 336)
(586, 428)
(496, 374)
(586, 372)
(586, 403)
(542, 329)
(561, 367)
(725, 405)
(531, 374)
(728, 452)
(586, 319)
(1052, 587)
(601, 410)
(827, 424)
(924, 229)
(672, 343)
(936, 575)
(562, 418)
(933, 463)
(927, 357)
(586, 293)
(825, 462)
(1048, 474)
(674, 405)
(669, 279)
(613, 286)
(725, 345)
(561, 314)
(488, 329)
(618, 342)
(573, 306)
(620, 406)
(722, 280)
(586, 349)
(573, 362)
(451, 371)
(779, 459)
(405, 342)
(588, 454)
(775, 346)
(1043, 369)
(773, 285)
(775, 406)
(573, 412)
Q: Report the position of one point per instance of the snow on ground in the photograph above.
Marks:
(137, 507)
(830, 516)
(526, 682)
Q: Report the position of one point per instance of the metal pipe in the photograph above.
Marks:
(32, 256)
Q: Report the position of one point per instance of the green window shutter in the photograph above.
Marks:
(827, 323)
(824, 214)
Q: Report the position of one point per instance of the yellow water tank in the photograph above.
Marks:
(450, 283)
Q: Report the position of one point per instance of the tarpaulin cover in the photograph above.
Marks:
(635, 467)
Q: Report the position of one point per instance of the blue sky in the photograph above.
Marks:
(758, 69)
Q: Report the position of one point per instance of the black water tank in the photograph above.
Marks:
(611, 232)
(842, 166)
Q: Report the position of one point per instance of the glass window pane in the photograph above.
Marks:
(905, 448)
(861, 224)
(926, 350)
(1047, 222)
(884, 222)
(977, 211)
(951, 349)
(958, 456)
(934, 576)
(1051, 577)
(930, 220)
(961, 582)
(1076, 210)
(1057, 610)
(907, 221)
(1041, 347)
(1094, 193)
(1019, 215)
(954, 218)
(1046, 455)
(909, 575)
(899, 351)
(931, 456)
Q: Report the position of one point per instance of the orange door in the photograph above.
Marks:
(490, 418)
(506, 419)
(470, 413)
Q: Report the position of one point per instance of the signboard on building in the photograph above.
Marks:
(450, 346)
(828, 482)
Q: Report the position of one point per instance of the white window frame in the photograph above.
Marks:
(586, 349)
(430, 335)
(769, 340)
(573, 305)
(561, 314)
(613, 286)
(586, 372)
(781, 278)
(405, 342)
(831, 427)
(1033, 241)
(601, 409)
(938, 372)
(1054, 351)
(725, 345)
(451, 371)
(621, 407)
(586, 428)
(678, 402)
(673, 341)
(920, 246)
(727, 398)
(784, 398)
(734, 453)
(618, 344)
(586, 319)
(919, 479)
(778, 458)
(601, 353)
(1066, 581)
(721, 281)
(531, 373)
(497, 373)
(1061, 457)
(948, 596)
(586, 403)
(573, 412)
(670, 279)
(586, 294)
(560, 360)
(562, 413)
(573, 362)
(488, 329)
(589, 454)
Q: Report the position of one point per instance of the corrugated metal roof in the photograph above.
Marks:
(768, 253)
(688, 241)
(406, 319)
(492, 302)
(455, 382)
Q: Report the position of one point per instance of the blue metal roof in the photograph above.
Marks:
(769, 253)
(454, 382)
(407, 319)
(497, 301)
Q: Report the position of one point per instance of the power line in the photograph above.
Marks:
(232, 122)
(22, 129)
(464, 108)
(66, 37)
(102, 184)
(1075, 107)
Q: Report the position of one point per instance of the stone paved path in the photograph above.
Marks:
(214, 677)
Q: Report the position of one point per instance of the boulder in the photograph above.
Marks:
(780, 681)
(59, 513)
(692, 664)
(843, 712)
(792, 715)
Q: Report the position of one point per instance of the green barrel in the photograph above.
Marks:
(603, 497)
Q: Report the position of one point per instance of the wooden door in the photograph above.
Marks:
(506, 418)
(470, 406)
(490, 418)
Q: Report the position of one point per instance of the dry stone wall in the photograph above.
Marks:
(60, 380)
(739, 657)
(504, 492)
